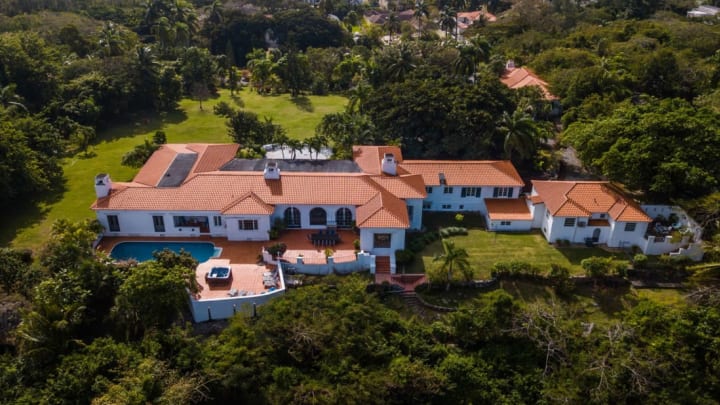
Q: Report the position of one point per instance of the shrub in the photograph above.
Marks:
(404, 256)
(459, 218)
(596, 266)
(561, 283)
(558, 271)
(620, 269)
(515, 268)
(356, 244)
(277, 249)
(453, 231)
(416, 245)
(640, 261)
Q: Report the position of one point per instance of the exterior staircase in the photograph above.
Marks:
(382, 265)
(411, 301)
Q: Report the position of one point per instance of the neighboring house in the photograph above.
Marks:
(467, 18)
(597, 212)
(202, 189)
(518, 77)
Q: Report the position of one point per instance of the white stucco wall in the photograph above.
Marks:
(514, 226)
(397, 241)
(140, 223)
(538, 213)
(416, 220)
(621, 238)
(235, 233)
(330, 211)
(437, 198)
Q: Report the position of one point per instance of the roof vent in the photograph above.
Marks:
(443, 181)
(272, 171)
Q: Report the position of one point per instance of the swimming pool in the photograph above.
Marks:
(143, 251)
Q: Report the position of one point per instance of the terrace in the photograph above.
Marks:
(245, 259)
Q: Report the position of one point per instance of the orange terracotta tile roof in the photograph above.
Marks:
(465, 172)
(583, 198)
(154, 169)
(248, 204)
(404, 187)
(213, 157)
(369, 157)
(383, 211)
(516, 78)
(536, 199)
(467, 18)
(210, 157)
(507, 209)
(214, 191)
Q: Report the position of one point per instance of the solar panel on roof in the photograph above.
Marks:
(304, 166)
(178, 170)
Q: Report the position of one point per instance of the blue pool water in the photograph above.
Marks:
(142, 251)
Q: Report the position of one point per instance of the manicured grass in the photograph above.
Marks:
(487, 248)
(28, 226)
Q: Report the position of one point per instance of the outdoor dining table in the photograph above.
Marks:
(324, 239)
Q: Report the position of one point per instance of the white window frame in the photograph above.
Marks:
(243, 222)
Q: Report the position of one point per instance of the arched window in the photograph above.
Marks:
(343, 218)
(318, 216)
(292, 217)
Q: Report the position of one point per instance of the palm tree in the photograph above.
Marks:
(392, 25)
(357, 96)
(9, 99)
(280, 137)
(421, 10)
(448, 20)
(521, 134)
(316, 143)
(402, 64)
(295, 146)
(215, 15)
(453, 259)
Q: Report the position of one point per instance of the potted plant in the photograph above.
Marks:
(277, 250)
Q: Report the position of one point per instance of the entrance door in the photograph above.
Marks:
(596, 235)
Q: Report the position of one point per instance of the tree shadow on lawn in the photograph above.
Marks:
(576, 254)
(610, 299)
(303, 103)
(22, 216)
(135, 124)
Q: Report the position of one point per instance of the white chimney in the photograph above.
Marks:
(272, 171)
(510, 65)
(102, 185)
(389, 164)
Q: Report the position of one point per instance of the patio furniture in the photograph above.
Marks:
(325, 239)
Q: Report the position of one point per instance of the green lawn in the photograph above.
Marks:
(487, 248)
(28, 226)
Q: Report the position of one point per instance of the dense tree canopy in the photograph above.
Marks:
(439, 118)
(666, 148)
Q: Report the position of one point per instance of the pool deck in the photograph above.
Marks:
(247, 279)
(244, 258)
